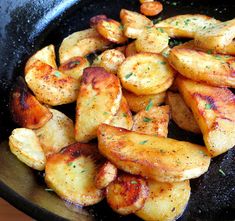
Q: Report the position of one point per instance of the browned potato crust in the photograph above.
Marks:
(95, 20)
(131, 49)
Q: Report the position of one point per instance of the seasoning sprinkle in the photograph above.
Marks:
(134, 182)
(149, 106)
(208, 106)
(49, 190)
(128, 75)
(143, 142)
(146, 119)
(57, 73)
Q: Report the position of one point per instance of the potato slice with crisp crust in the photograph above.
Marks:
(134, 23)
(214, 110)
(151, 8)
(158, 158)
(217, 70)
(146, 73)
(98, 101)
(106, 174)
(130, 49)
(153, 121)
(181, 114)
(137, 103)
(185, 26)
(166, 201)
(95, 19)
(82, 43)
(127, 194)
(26, 109)
(57, 133)
(70, 173)
(25, 145)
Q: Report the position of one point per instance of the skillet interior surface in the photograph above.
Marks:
(25, 27)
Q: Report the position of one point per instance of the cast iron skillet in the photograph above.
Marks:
(28, 25)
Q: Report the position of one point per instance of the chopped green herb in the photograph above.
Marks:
(148, 27)
(105, 113)
(155, 21)
(76, 62)
(134, 182)
(162, 62)
(146, 119)
(207, 67)
(209, 52)
(176, 23)
(165, 54)
(128, 75)
(149, 106)
(208, 106)
(204, 28)
(124, 115)
(218, 57)
(57, 73)
(143, 142)
(174, 3)
(222, 172)
(186, 22)
(70, 164)
(161, 30)
(49, 190)
(83, 171)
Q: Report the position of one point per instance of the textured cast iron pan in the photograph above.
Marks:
(26, 26)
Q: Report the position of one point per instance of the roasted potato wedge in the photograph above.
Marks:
(106, 174)
(127, 194)
(26, 109)
(111, 30)
(146, 73)
(95, 19)
(98, 101)
(216, 37)
(25, 145)
(74, 67)
(134, 23)
(158, 158)
(123, 118)
(214, 110)
(151, 8)
(166, 201)
(153, 121)
(51, 86)
(137, 103)
(152, 39)
(81, 43)
(110, 60)
(217, 70)
(70, 173)
(181, 114)
(185, 26)
(130, 49)
(57, 133)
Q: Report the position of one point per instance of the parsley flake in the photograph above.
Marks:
(161, 30)
(49, 190)
(149, 106)
(162, 62)
(143, 142)
(146, 119)
(208, 106)
(124, 115)
(57, 73)
(134, 182)
(128, 75)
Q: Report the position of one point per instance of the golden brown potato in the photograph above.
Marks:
(111, 30)
(50, 86)
(98, 101)
(166, 201)
(82, 43)
(217, 70)
(185, 26)
(137, 103)
(214, 111)
(127, 194)
(110, 60)
(95, 19)
(146, 73)
(152, 122)
(143, 1)
(26, 109)
(134, 23)
(70, 173)
(181, 114)
(123, 118)
(25, 145)
(151, 8)
(152, 39)
(74, 67)
(131, 49)
(57, 133)
(158, 158)
(216, 36)
(106, 174)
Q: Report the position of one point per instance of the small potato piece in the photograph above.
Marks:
(57, 133)
(131, 49)
(214, 111)
(166, 201)
(152, 40)
(95, 20)
(123, 118)
(106, 174)
(110, 60)
(151, 8)
(185, 26)
(137, 103)
(134, 23)
(74, 67)
(111, 30)
(98, 101)
(152, 122)
(25, 145)
(26, 109)
(70, 173)
(127, 194)
(146, 73)
(217, 70)
(158, 158)
(181, 114)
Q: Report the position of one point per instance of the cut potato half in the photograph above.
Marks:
(70, 173)
(98, 101)
(166, 201)
(146, 73)
(162, 159)
(25, 145)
